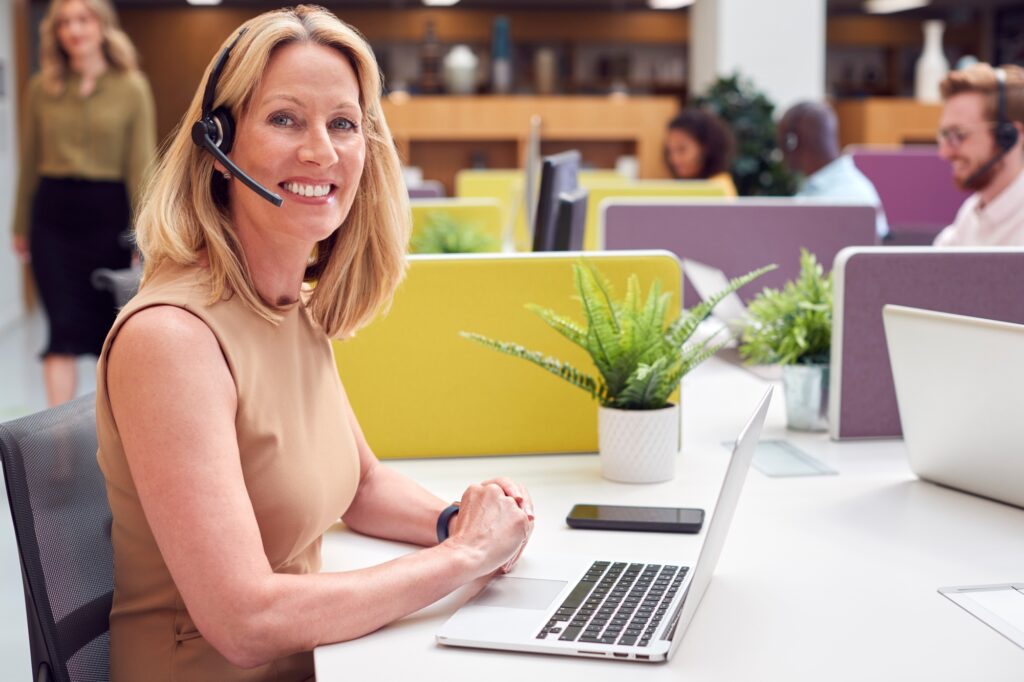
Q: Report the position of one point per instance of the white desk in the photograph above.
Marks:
(822, 578)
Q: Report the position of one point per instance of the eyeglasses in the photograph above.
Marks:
(955, 136)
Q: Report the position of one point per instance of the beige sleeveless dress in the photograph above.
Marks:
(300, 465)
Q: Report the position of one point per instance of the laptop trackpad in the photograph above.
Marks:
(520, 593)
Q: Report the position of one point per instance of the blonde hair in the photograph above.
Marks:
(183, 213)
(981, 78)
(54, 61)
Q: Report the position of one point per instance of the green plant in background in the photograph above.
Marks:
(793, 325)
(640, 357)
(444, 234)
(758, 168)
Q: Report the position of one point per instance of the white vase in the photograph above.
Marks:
(638, 446)
(806, 396)
(460, 70)
(932, 65)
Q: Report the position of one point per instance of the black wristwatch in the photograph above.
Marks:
(445, 518)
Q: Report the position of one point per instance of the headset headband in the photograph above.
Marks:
(211, 83)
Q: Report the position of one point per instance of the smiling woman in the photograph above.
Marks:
(226, 438)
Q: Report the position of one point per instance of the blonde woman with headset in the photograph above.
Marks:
(88, 135)
(226, 438)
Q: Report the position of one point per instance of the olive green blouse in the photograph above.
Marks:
(107, 135)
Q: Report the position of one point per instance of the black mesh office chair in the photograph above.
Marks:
(62, 523)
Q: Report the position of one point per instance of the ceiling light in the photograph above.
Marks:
(439, 3)
(669, 4)
(203, 2)
(893, 6)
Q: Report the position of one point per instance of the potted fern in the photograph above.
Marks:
(793, 327)
(444, 234)
(640, 359)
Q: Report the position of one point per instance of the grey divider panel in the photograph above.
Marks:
(986, 283)
(739, 235)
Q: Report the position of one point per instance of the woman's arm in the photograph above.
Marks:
(390, 505)
(28, 172)
(174, 403)
(140, 146)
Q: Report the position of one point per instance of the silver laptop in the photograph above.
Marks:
(960, 386)
(708, 281)
(605, 607)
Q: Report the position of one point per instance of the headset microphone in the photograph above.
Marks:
(1005, 134)
(215, 131)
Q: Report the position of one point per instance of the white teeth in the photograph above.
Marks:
(307, 190)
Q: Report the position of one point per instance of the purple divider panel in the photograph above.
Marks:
(737, 236)
(915, 186)
(987, 284)
(428, 190)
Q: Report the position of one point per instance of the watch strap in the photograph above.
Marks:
(444, 519)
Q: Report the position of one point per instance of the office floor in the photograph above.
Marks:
(21, 392)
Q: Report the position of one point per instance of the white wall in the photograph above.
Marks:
(10, 279)
(779, 44)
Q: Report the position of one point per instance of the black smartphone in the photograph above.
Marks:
(655, 519)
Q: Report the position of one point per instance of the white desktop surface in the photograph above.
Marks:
(821, 578)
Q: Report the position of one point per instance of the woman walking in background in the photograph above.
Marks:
(88, 134)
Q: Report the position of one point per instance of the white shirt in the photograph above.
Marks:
(1000, 222)
(842, 180)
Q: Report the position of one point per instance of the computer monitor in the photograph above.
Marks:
(558, 174)
(571, 220)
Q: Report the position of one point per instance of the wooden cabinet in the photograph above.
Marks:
(444, 134)
(887, 120)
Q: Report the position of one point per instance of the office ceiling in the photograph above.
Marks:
(834, 6)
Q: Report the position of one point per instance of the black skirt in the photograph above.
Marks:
(77, 227)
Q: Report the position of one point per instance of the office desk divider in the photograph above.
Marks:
(916, 187)
(421, 390)
(980, 282)
(428, 189)
(641, 190)
(484, 215)
(739, 235)
(507, 186)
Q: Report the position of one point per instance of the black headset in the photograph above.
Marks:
(1006, 133)
(215, 131)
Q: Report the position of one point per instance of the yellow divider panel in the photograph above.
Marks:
(661, 189)
(482, 214)
(505, 186)
(421, 390)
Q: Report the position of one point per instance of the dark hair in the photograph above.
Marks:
(712, 134)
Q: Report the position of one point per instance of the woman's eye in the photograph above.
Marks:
(343, 124)
(281, 120)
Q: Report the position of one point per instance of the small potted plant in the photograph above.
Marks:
(640, 358)
(444, 234)
(793, 327)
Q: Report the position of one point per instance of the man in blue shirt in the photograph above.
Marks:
(809, 139)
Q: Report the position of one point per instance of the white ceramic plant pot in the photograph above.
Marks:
(638, 446)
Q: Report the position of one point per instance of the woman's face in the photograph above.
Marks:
(301, 137)
(78, 30)
(685, 156)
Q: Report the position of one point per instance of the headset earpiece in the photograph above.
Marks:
(1006, 133)
(225, 124)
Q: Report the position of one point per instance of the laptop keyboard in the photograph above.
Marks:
(616, 603)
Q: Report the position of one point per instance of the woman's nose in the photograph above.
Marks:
(317, 148)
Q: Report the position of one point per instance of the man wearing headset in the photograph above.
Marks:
(981, 134)
(809, 139)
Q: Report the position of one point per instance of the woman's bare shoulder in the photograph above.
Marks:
(169, 345)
